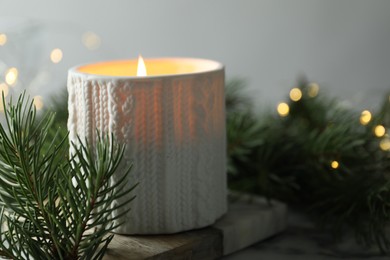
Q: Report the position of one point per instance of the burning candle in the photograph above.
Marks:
(170, 114)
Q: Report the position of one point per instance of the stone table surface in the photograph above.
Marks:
(302, 240)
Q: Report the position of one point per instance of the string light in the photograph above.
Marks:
(3, 39)
(283, 109)
(385, 144)
(313, 90)
(295, 94)
(11, 76)
(365, 117)
(91, 40)
(334, 164)
(379, 130)
(56, 55)
(4, 89)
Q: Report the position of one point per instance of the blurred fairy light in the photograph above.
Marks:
(3, 39)
(365, 117)
(91, 40)
(295, 94)
(56, 55)
(313, 89)
(385, 144)
(38, 102)
(334, 164)
(379, 130)
(4, 89)
(11, 76)
(283, 109)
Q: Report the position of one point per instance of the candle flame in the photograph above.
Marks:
(141, 68)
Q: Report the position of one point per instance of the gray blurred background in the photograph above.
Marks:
(343, 45)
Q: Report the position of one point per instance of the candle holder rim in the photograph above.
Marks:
(219, 67)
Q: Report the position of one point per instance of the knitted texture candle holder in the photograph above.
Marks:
(174, 130)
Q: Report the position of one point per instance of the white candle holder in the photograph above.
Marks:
(174, 130)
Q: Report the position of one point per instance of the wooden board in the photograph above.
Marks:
(249, 220)
(200, 244)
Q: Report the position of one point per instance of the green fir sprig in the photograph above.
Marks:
(318, 156)
(56, 206)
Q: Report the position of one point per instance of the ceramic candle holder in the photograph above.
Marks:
(173, 124)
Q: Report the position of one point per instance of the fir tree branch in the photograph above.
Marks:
(51, 205)
(291, 157)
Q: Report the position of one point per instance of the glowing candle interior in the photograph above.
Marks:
(155, 67)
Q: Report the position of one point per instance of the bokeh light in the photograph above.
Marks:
(38, 102)
(385, 144)
(3, 39)
(379, 130)
(334, 164)
(11, 76)
(313, 89)
(91, 40)
(4, 89)
(365, 117)
(56, 55)
(295, 94)
(283, 109)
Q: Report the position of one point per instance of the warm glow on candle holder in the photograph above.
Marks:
(172, 120)
(156, 67)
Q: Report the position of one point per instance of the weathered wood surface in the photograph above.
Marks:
(249, 220)
(199, 244)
